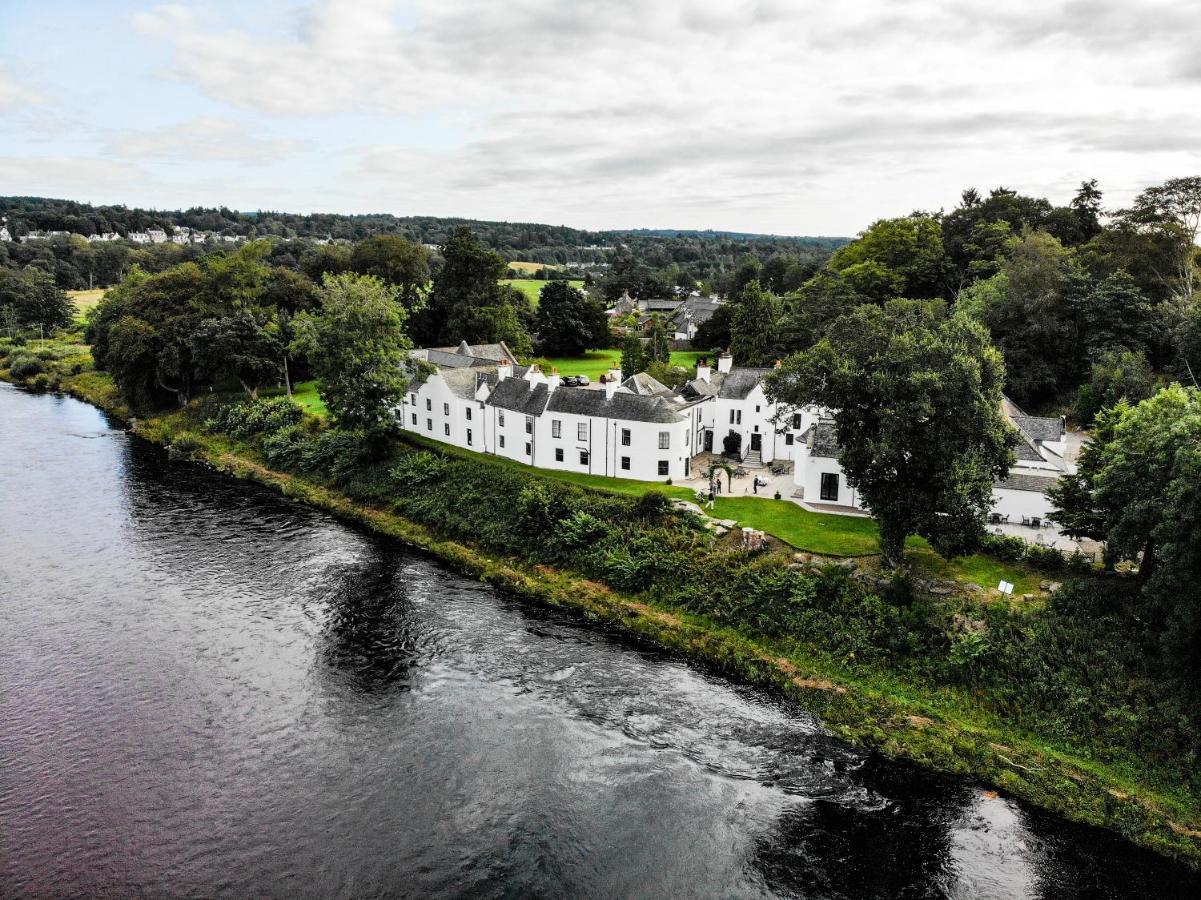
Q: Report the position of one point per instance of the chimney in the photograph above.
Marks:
(610, 384)
(615, 375)
(702, 369)
(534, 375)
(725, 363)
(553, 381)
(503, 370)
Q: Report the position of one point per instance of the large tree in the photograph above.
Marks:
(1138, 488)
(32, 300)
(658, 342)
(396, 261)
(633, 354)
(568, 322)
(894, 258)
(358, 348)
(755, 328)
(1173, 210)
(916, 396)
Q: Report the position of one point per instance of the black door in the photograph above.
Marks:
(756, 442)
(708, 440)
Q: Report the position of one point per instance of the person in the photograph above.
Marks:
(710, 503)
(755, 484)
(718, 485)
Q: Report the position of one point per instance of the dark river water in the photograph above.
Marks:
(207, 690)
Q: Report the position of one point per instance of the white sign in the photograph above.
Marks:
(1005, 587)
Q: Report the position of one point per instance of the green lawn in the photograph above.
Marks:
(531, 266)
(306, 396)
(595, 363)
(85, 300)
(805, 530)
(532, 287)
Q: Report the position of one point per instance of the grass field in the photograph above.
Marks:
(85, 300)
(531, 266)
(532, 287)
(595, 363)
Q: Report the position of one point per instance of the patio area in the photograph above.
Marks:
(741, 486)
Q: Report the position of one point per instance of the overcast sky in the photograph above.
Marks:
(771, 116)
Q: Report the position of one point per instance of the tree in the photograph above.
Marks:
(1173, 210)
(35, 301)
(1138, 487)
(894, 258)
(358, 348)
(567, 322)
(1028, 309)
(714, 333)
(748, 270)
(396, 261)
(916, 396)
(755, 329)
(1117, 375)
(243, 345)
(633, 356)
(809, 312)
(1115, 314)
(658, 343)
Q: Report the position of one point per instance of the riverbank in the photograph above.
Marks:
(942, 729)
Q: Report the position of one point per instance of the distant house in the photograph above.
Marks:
(1019, 500)
(4, 235)
(691, 314)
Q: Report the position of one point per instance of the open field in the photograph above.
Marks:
(85, 300)
(532, 287)
(531, 266)
(595, 363)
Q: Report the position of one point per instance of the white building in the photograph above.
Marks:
(1019, 500)
(480, 398)
(4, 235)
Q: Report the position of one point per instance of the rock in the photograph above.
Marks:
(720, 530)
(974, 588)
(940, 589)
(1052, 587)
(1026, 598)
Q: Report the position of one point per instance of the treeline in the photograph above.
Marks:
(1084, 306)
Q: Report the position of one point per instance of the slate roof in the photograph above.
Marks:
(661, 304)
(1019, 481)
(632, 407)
(824, 438)
(644, 384)
(738, 382)
(520, 396)
(464, 382)
(696, 310)
(698, 387)
(1040, 428)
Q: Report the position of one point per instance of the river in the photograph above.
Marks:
(208, 690)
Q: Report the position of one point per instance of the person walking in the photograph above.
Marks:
(710, 503)
(718, 485)
(755, 484)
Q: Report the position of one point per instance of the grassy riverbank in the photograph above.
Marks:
(947, 682)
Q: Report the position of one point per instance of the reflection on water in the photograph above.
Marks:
(210, 691)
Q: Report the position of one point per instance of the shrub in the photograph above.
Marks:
(41, 382)
(652, 506)
(250, 418)
(284, 449)
(418, 468)
(580, 529)
(1046, 558)
(1004, 546)
(26, 367)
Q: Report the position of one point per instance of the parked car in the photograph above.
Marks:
(571, 380)
(583, 380)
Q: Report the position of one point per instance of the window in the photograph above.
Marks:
(664, 440)
(583, 457)
(429, 404)
(414, 420)
(756, 409)
(625, 463)
(736, 417)
(529, 424)
(501, 421)
(429, 424)
(662, 467)
(446, 427)
(581, 431)
(625, 437)
(829, 486)
(796, 420)
(412, 399)
(468, 411)
(446, 409)
(788, 439)
(502, 440)
(527, 448)
(556, 428)
(558, 454)
(468, 437)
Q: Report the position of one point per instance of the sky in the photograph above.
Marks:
(777, 116)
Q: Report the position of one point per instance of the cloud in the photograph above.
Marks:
(14, 95)
(206, 138)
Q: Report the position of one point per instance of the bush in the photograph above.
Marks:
(732, 445)
(26, 367)
(1004, 546)
(250, 418)
(1046, 558)
(41, 382)
(418, 468)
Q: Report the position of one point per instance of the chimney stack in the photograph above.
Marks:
(503, 370)
(610, 384)
(725, 363)
(553, 381)
(534, 375)
(615, 374)
(702, 369)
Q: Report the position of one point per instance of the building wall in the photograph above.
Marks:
(808, 476)
(435, 421)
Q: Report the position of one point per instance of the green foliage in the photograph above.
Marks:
(358, 347)
(1116, 375)
(395, 261)
(633, 355)
(917, 396)
(251, 418)
(755, 327)
(658, 342)
(568, 323)
(894, 258)
(25, 366)
(29, 299)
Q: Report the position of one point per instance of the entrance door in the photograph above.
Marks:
(708, 440)
(756, 442)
